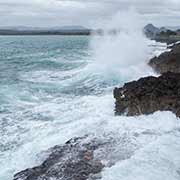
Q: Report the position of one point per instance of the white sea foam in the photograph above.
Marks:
(38, 119)
(125, 53)
(94, 115)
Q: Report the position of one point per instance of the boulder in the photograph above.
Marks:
(82, 158)
(148, 95)
(72, 161)
(167, 61)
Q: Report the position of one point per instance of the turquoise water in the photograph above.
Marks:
(42, 81)
(32, 73)
(53, 88)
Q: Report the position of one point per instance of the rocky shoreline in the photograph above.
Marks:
(167, 61)
(80, 158)
(75, 159)
(151, 94)
(148, 95)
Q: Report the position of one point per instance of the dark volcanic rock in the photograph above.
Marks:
(167, 61)
(73, 161)
(148, 95)
(82, 158)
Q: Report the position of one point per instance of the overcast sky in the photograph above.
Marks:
(84, 12)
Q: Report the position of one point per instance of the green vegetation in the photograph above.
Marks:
(167, 33)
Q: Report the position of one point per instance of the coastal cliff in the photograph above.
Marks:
(148, 95)
(76, 160)
(167, 61)
(151, 94)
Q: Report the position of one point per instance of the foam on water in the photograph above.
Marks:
(47, 105)
(143, 133)
(158, 159)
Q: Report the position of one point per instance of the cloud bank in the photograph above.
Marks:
(84, 12)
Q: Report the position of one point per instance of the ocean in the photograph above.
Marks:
(54, 88)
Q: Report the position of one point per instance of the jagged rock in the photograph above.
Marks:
(167, 61)
(73, 161)
(150, 30)
(148, 95)
(82, 158)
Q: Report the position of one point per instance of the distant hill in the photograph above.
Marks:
(151, 30)
(69, 28)
(65, 30)
(163, 29)
(29, 28)
(162, 34)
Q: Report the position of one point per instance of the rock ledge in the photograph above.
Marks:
(72, 161)
(148, 95)
(167, 61)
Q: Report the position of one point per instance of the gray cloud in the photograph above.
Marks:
(84, 12)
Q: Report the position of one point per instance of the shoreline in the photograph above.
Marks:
(80, 152)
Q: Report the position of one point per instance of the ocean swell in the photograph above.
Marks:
(65, 90)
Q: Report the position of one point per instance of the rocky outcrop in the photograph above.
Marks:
(167, 61)
(82, 158)
(151, 31)
(73, 161)
(148, 95)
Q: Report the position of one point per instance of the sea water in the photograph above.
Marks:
(53, 88)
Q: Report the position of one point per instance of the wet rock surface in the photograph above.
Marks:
(72, 161)
(82, 158)
(148, 95)
(167, 61)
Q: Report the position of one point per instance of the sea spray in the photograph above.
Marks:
(38, 115)
(121, 51)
